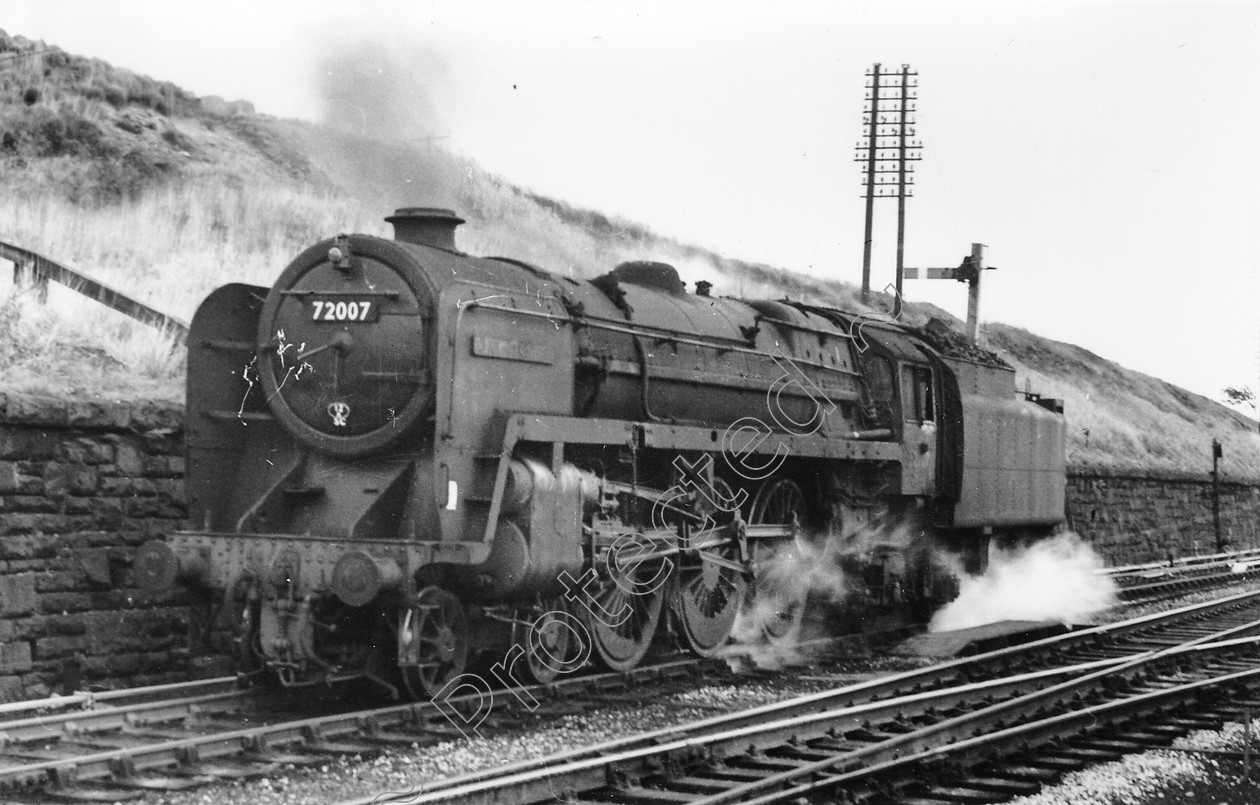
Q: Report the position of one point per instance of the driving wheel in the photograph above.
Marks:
(776, 594)
(710, 581)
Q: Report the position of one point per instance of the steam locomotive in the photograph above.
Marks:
(401, 457)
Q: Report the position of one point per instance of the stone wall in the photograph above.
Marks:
(1133, 517)
(82, 484)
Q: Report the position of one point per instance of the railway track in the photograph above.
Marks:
(103, 746)
(820, 734)
(130, 743)
(1157, 581)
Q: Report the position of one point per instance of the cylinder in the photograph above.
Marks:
(358, 577)
(520, 484)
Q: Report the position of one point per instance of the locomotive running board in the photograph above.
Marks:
(561, 430)
(691, 438)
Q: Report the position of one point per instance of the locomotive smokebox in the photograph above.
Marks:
(426, 226)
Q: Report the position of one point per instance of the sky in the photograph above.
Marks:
(1103, 151)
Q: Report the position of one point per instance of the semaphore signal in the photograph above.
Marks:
(886, 151)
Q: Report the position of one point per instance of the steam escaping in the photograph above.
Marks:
(1057, 579)
(769, 628)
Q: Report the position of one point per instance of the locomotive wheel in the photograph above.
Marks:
(629, 619)
(776, 502)
(773, 593)
(432, 642)
(707, 599)
(544, 637)
(710, 586)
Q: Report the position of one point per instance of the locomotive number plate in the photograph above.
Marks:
(345, 309)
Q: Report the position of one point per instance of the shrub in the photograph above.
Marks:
(52, 137)
(86, 137)
(145, 98)
(114, 95)
(129, 125)
(125, 179)
(177, 140)
(31, 96)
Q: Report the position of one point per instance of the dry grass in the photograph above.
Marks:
(178, 242)
(71, 346)
(1121, 419)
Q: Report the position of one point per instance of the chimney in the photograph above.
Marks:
(427, 226)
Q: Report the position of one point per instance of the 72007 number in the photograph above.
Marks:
(343, 311)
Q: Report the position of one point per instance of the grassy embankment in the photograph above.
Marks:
(166, 196)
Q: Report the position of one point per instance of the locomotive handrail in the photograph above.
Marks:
(804, 328)
(43, 269)
(612, 324)
(660, 332)
(386, 294)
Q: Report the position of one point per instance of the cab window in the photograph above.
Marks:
(916, 393)
(879, 377)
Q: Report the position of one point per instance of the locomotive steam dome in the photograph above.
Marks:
(344, 345)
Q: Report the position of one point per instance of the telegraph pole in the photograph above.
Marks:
(886, 148)
(903, 118)
(1216, 495)
(869, 117)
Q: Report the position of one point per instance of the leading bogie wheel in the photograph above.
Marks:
(545, 635)
(432, 642)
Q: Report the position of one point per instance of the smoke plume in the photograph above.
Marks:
(380, 90)
(384, 134)
(1057, 579)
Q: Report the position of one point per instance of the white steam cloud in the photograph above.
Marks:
(1056, 579)
(812, 568)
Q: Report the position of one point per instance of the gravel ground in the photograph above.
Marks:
(1197, 597)
(1163, 777)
